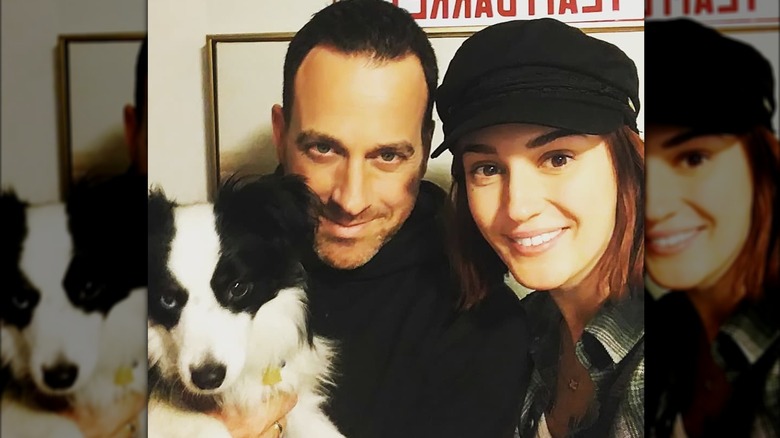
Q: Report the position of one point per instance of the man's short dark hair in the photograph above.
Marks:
(375, 28)
(140, 79)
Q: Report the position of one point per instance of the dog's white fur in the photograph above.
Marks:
(98, 345)
(246, 346)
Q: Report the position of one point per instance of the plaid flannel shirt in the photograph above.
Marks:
(749, 335)
(608, 338)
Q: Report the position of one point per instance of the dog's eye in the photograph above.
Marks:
(21, 302)
(168, 301)
(90, 290)
(239, 289)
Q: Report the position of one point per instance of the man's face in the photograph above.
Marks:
(356, 134)
(136, 134)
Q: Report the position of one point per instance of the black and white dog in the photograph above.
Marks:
(228, 318)
(73, 305)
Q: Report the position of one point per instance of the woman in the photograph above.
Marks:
(547, 184)
(712, 237)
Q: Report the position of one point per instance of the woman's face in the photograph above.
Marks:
(543, 198)
(699, 197)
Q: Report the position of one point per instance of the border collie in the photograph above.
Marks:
(73, 305)
(228, 318)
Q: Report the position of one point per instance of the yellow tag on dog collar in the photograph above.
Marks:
(123, 376)
(272, 376)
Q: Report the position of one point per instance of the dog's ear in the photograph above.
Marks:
(159, 213)
(108, 211)
(13, 212)
(275, 205)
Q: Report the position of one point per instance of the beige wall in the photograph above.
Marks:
(29, 158)
(177, 79)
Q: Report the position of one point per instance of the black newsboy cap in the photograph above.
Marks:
(697, 77)
(541, 72)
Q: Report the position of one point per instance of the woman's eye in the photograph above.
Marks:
(558, 160)
(239, 289)
(168, 301)
(692, 159)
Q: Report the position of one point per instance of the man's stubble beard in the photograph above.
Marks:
(329, 248)
(342, 253)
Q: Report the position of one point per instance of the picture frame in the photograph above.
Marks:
(245, 81)
(95, 80)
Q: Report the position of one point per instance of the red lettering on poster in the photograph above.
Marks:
(459, 5)
(570, 5)
(445, 9)
(731, 7)
(703, 5)
(593, 8)
(484, 7)
(511, 11)
(697, 7)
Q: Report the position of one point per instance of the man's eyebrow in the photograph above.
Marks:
(479, 148)
(686, 136)
(403, 147)
(306, 138)
(550, 137)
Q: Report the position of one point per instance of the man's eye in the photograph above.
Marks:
(388, 156)
(486, 170)
(322, 148)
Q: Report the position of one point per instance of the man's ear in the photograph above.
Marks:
(279, 131)
(131, 131)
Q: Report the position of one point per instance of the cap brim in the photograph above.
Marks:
(585, 117)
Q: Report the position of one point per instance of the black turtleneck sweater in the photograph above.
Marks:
(408, 364)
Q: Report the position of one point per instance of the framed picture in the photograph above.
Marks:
(245, 81)
(96, 79)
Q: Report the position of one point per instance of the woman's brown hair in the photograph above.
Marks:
(478, 268)
(757, 267)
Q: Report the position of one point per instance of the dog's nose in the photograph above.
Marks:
(208, 376)
(60, 376)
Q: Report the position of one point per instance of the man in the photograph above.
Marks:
(356, 121)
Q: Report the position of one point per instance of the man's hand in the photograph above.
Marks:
(260, 423)
(117, 421)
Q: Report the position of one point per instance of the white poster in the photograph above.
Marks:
(717, 13)
(580, 13)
